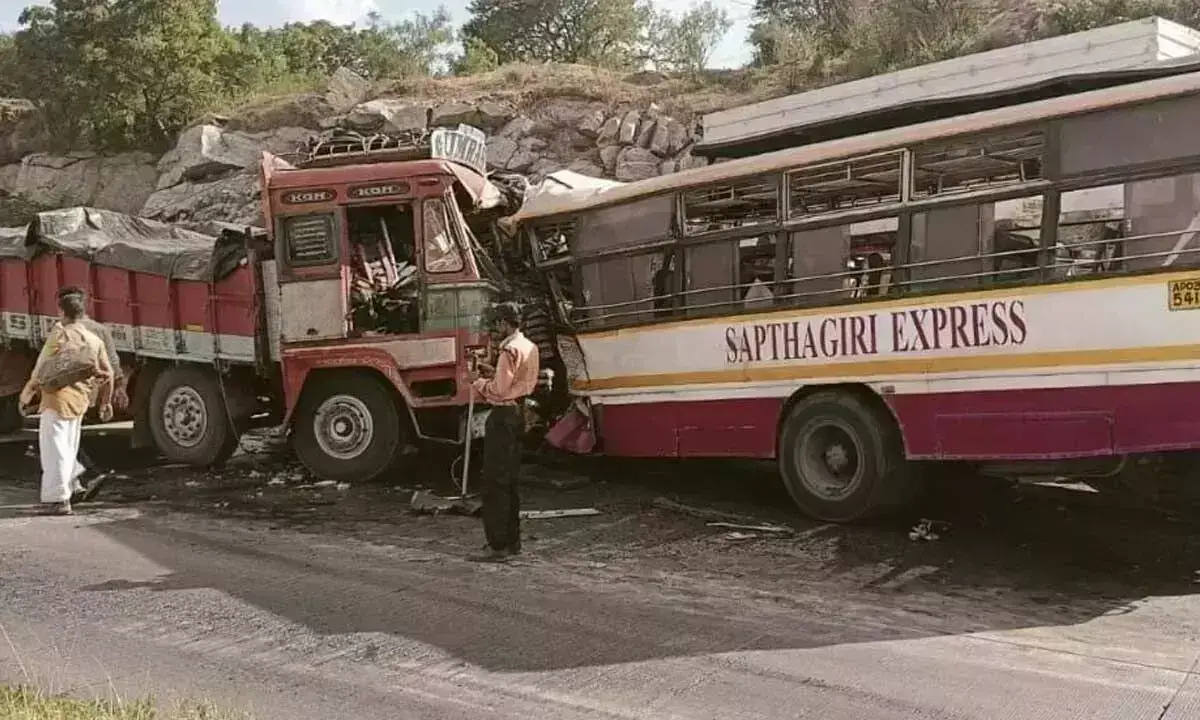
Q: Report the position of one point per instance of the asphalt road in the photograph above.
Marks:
(301, 623)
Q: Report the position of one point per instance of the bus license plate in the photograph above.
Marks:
(1184, 294)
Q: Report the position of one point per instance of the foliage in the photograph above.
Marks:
(477, 58)
(1067, 16)
(112, 74)
(607, 33)
(118, 72)
(686, 42)
(28, 704)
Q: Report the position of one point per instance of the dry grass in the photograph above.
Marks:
(527, 86)
(29, 704)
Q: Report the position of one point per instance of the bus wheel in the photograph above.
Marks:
(841, 460)
(188, 419)
(348, 428)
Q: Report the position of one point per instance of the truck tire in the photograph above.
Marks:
(188, 418)
(348, 428)
(841, 459)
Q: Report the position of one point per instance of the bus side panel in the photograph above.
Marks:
(742, 427)
(1051, 423)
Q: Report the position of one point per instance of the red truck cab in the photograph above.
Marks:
(378, 300)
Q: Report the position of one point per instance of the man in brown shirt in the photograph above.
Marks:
(514, 379)
(60, 424)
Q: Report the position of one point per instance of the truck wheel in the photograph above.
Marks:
(348, 428)
(841, 460)
(188, 419)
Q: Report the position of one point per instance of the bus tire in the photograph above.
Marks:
(348, 428)
(188, 417)
(840, 458)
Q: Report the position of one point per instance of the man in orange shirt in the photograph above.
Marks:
(514, 379)
(60, 425)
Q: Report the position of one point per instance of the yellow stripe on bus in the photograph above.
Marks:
(1022, 291)
(892, 368)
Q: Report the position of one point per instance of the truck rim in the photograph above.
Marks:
(343, 427)
(185, 417)
(829, 462)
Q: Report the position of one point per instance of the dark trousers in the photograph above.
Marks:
(501, 468)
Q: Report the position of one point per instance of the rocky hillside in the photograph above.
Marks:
(539, 119)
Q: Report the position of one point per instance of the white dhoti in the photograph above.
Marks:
(58, 442)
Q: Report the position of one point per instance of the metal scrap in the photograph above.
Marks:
(548, 514)
(775, 529)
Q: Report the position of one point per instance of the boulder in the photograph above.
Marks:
(206, 151)
(591, 123)
(499, 151)
(117, 182)
(629, 127)
(233, 199)
(678, 137)
(517, 128)
(609, 131)
(308, 110)
(490, 115)
(21, 130)
(635, 163)
(346, 89)
(389, 115)
(587, 167)
(608, 158)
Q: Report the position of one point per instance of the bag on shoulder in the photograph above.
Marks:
(76, 358)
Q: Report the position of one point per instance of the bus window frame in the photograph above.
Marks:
(1050, 186)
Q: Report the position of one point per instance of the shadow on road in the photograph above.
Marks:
(644, 584)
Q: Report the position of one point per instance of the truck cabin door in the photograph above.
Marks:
(309, 248)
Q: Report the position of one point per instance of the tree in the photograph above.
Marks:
(826, 23)
(114, 73)
(1067, 16)
(477, 58)
(600, 32)
(687, 42)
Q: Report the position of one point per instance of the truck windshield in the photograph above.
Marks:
(442, 252)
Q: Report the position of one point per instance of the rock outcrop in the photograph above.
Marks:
(212, 172)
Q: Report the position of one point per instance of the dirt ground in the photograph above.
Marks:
(1064, 554)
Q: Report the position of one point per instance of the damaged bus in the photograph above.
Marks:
(1017, 288)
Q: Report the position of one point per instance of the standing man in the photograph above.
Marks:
(62, 408)
(515, 377)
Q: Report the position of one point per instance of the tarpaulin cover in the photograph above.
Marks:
(12, 242)
(123, 241)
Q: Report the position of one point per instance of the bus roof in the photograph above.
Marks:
(1059, 65)
(925, 109)
(781, 160)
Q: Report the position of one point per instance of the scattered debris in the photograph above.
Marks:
(342, 486)
(276, 482)
(325, 484)
(193, 484)
(547, 514)
(663, 503)
(740, 536)
(426, 503)
(928, 530)
(555, 479)
(776, 529)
